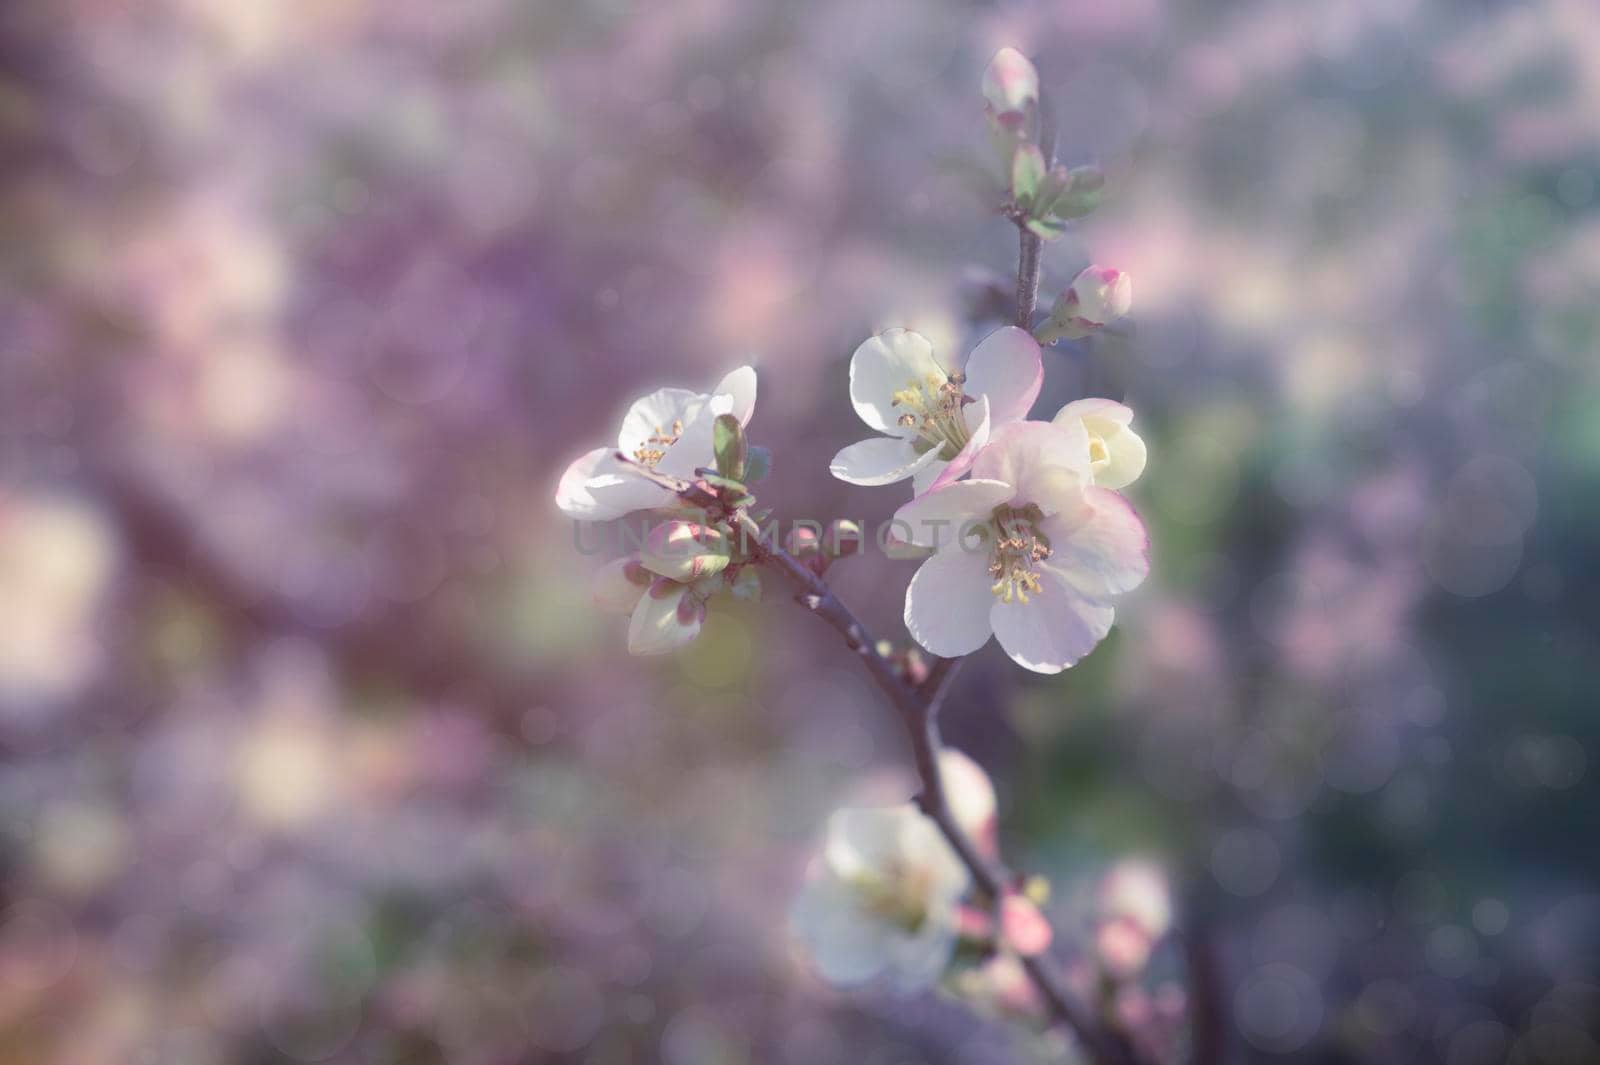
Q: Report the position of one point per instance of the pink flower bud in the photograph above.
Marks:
(803, 540)
(1097, 296)
(1011, 86)
(685, 550)
(1026, 930)
(843, 538)
(1101, 294)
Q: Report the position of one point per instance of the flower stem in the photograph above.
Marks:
(1031, 244)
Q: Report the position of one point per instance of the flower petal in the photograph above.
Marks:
(934, 519)
(1055, 628)
(948, 601)
(884, 365)
(880, 460)
(1047, 464)
(1111, 422)
(846, 945)
(653, 415)
(614, 590)
(693, 448)
(1126, 459)
(1100, 547)
(970, 794)
(572, 494)
(656, 627)
(1007, 368)
(741, 385)
(597, 487)
(978, 434)
(1107, 409)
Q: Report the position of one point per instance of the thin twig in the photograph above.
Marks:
(918, 707)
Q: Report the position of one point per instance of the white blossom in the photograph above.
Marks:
(936, 419)
(1028, 550)
(880, 901)
(669, 430)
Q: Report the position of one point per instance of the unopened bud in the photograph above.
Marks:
(843, 539)
(685, 550)
(1097, 296)
(804, 539)
(744, 584)
(1011, 87)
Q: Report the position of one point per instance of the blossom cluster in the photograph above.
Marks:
(1022, 536)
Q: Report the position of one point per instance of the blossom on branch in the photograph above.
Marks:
(670, 431)
(1010, 88)
(936, 419)
(1028, 550)
(880, 901)
(1098, 296)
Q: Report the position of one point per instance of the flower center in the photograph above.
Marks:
(654, 448)
(1099, 454)
(932, 407)
(898, 895)
(1018, 548)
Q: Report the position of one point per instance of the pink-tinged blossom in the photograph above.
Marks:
(1098, 296)
(1010, 87)
(670, 431)
(664, 614)
(935, 419)
(970, 795)
(1027, 550)
(880, 901)
(1116, 453)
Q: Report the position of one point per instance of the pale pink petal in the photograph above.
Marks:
(1048, 464)
(933, 519)
(880, 460)
(615, 589)
(572, 494)
(924, 479)
(948, 601)
(883, 365)
(741, 385)
(1055, 628)
(1126, 458)
(1007, 368)
(599, 488)
(978, 432)
(1099, 547)
(657, 625)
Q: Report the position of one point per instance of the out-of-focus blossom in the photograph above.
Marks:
(1000, 987)
(669, 430)
(1134, 902)
(970, 794)
(1098, 296)
(936, 419)
(1010, 87)
(1022, 927)
(1027, 550)
(880, 900)
(55, 562)
(1116, 453)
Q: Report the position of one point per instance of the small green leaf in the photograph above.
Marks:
(758, 463)
(1048, 228)
(728, 444)
(1027, 173)
(1082, 195)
